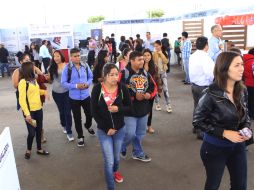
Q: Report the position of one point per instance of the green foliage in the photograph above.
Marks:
(157, 13)
(94, 19)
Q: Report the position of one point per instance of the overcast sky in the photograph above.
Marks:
(24, 12)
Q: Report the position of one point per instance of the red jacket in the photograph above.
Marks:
(248, 75)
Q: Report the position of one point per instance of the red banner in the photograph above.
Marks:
(247, 19)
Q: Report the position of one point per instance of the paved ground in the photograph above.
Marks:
(175, 165)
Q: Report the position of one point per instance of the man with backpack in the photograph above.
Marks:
(141, 89)
(166, 46)
(77, 77)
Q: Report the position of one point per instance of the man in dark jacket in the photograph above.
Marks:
(166, 47)
(140, 88)
(114, 52)
(4, 60)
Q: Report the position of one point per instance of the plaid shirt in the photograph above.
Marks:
(186, 51)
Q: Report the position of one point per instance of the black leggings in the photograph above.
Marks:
(35, 131)
(46, 62)
(37, 64)
(149, 121)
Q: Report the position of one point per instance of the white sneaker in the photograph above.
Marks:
(64, 130)
(169, 108)
(158, 107)
(70, 137)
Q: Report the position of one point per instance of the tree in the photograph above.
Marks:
(94, 19)
(156, 13)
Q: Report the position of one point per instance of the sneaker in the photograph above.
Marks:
(118, 177)
(123, 154)
(91, 131)
(70, 137)
(158, 107)
(144, 158)
(81, 142)
(64, 130)
(169, 108)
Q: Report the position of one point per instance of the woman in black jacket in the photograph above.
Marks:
(222, 114)
(109, 101)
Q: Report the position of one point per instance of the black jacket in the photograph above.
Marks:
(4, 55)
(216, 113)
(165, 44)
(106, 120)
(142, 82)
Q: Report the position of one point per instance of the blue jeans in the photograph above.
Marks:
(215, 159)
(186, 69)
(135, 131)
(63, 104)
(5, 65)
(111, 147)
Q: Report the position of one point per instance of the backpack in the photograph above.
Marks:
(17, 97)
(70, 71)
(126, 76)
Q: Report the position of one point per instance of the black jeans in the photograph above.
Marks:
(251, 101)
(62, 101)
(37, 64)
(76, 110)
(216, 158)
(46, 62)
(113, 60)
(150, 116)
(35, 131)
(196, 93)
(91, 58)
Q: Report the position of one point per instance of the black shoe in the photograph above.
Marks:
(43, 152)
(186, 83)
(123, 154)
(81, 142)
(27, 155)
(144, 158)
(183, 80)
(91, 131)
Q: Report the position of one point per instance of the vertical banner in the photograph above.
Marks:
(8, 171)
(60, 36)
(96, 34)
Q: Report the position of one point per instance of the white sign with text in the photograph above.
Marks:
(8, 172)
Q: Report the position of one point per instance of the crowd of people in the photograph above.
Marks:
(118, 91)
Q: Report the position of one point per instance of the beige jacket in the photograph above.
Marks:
(156, 56)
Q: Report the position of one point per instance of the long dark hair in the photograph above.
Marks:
(53, 69)
(99, 64)
(158, 42)
(151, 65)
(222, 65)
(27, 71)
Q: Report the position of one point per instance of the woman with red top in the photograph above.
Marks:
(109, 101)
(248, 77)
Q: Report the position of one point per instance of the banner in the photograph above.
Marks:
(8, 171)
(10, 38)
(60, 36)
(247, 19)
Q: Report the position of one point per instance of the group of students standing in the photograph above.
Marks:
(120, 102)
